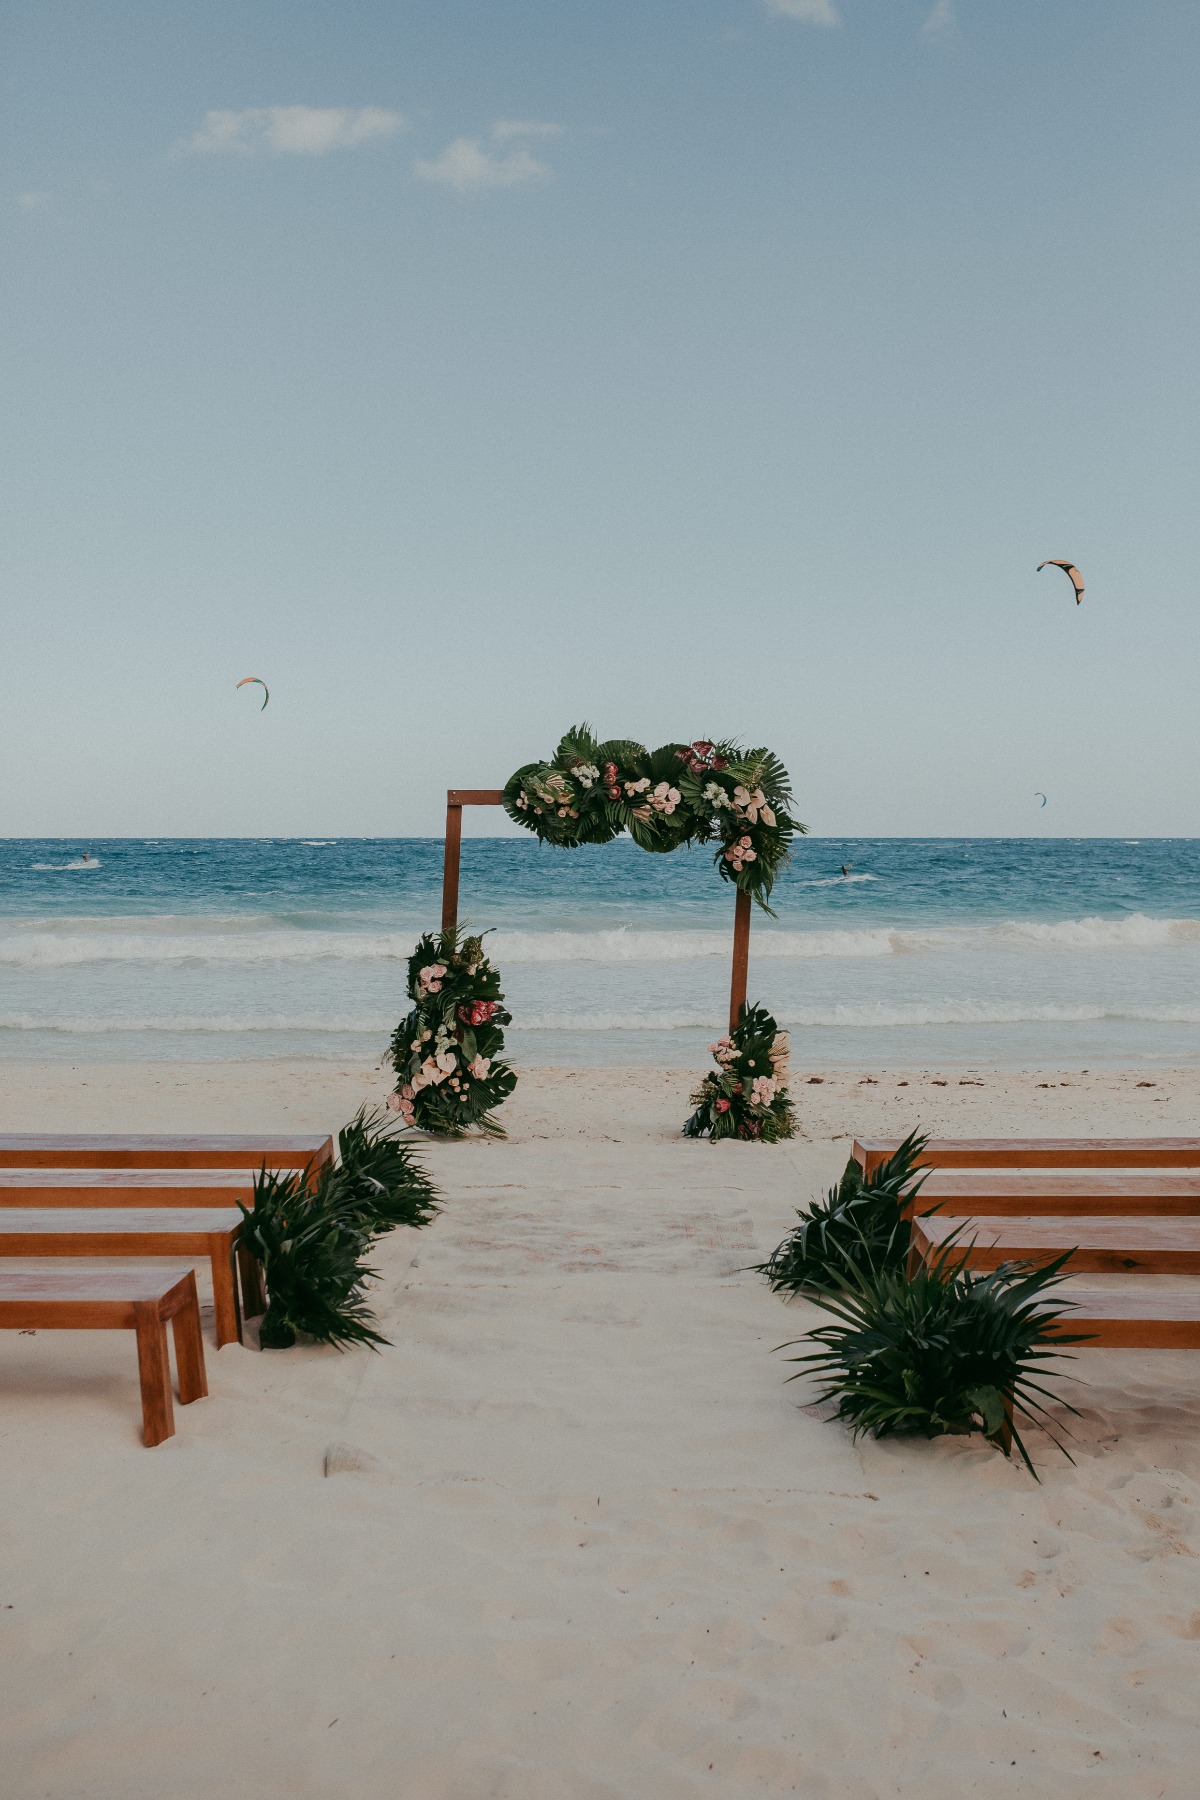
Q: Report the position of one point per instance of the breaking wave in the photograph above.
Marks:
(49, 944)
(867, 1017)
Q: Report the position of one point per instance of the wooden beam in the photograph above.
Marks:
(450, 865)
(457, 798)
(741, 957)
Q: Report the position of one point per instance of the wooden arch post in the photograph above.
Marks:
(457, 798)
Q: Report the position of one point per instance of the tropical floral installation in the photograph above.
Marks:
(448, 1052)
(700, 793)
(746, 1095)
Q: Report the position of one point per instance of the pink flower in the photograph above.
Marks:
(395, 1104)
(479, 1067)
(722, 1106)
(762, 1093)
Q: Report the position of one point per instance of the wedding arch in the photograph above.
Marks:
(590, 792)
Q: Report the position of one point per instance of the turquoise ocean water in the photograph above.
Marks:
(1004, 952)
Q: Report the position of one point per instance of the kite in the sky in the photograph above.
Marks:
(1069, 570)
(262, 684)
(1040, 797)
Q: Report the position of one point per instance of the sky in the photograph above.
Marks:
(689, 367)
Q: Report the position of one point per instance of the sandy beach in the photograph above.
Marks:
(572, 1534)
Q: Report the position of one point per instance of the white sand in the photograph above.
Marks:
(594, 1547)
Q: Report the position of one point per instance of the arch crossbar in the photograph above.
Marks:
(457, 798)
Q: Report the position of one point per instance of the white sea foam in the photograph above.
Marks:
(49, 944)
(93, 862)
(865, 1017)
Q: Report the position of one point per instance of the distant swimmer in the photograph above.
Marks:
(846, 868)
(87, 856)
(1069, 570)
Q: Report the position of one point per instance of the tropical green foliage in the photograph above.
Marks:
(861, 1224)
(705, 792)
(447, 1052)
(947, 1351)
(746, 1095)
(311, 1234)
(382, 1178)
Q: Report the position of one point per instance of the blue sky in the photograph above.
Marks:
(711, 368)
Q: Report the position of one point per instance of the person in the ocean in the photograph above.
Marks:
(846, 868)
(87, 857)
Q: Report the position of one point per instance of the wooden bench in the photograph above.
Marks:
(130, 1298)
(1027, 1192)
(1158, 1246)
(1128, 1319)
(1039, 1153)
(91, 1231)
(157, 1150)
(126, 1187)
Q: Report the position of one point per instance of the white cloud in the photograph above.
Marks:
(505, 129)
(471, 165)
(941, 21)
(813, 12)
(292, 130)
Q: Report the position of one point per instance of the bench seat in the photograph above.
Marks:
(1027, 1192)
(142, 1298)
(1132, 1319)
(1039, 1153)
(126, 1187)
(161, 1150)
(139, 1232)
(1155, 1246)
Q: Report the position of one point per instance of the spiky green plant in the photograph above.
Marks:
(382, 1181)
(310, 1244)
(861, 1224)
(311, 1233)
(947, 1351)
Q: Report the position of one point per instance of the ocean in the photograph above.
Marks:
(1045, 953)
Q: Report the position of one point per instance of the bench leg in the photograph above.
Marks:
(189, 1350)
(254, 1293)
(225, 1306)
(158, 1419)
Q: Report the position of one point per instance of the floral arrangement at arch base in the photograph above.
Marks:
(705, 792)
(746, 1095)
(448, 1052)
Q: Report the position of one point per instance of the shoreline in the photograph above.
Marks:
(831, 1103)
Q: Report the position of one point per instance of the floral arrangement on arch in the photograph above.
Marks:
(447, 1053)
(746, 1095)
(699, 793)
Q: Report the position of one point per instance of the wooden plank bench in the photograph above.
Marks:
(160, 1150)
(986, 1193)
(1129, 1319)
(1155, 1246)
(146, 1231)
(1039, 1153)
(126, 1187)
(131, 1298)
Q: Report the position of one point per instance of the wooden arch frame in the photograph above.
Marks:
(457, 798)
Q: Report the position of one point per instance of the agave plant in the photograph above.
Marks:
(861, 1224)
(947, 1351)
